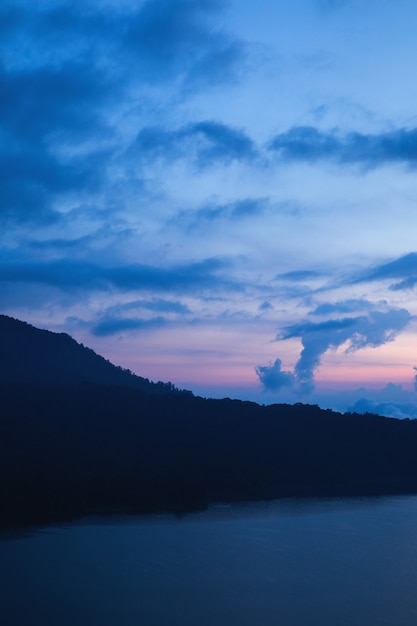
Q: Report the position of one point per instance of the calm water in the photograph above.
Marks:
(299, 563)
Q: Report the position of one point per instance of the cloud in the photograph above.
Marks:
(316, 340)
(346, 306)
(403, 268)
(238, 210)
(265, 306)
(115, 321)
(373, 330)
(60, 245)
(273, 378)
(307, 143)
(56, 30)
(63, 99)
(159, 305)
(223, 142)
(55, 98)
(31, 182)
(298, 276)
(73, 275)
(155, 41)
(180, 38)
(115, 325)
(43, 109)
(399, 410)
(222, 64)
(207, 143)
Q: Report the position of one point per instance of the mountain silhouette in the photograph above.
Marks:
(32, 355)
(79, 436)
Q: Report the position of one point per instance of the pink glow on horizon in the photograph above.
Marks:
(206, 358)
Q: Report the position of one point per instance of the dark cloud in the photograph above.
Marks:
(298, 276)
(10, 18)
(155, 42)
(116, 319)
(180, 38)
(24, 200)
(61, 245)
(206, 143)
(201, 275)
(115, 326)
(37, 102)
(32, 181)
(306, 143)
(78, 27)
(65, 274)
(58, 24)
(222, 142)
(220, 65)
(403, 268)
(265, 306)
(70, 275)
(273, 378)
(37, 107)
(373, 330)
(67, 67)
(167, 29)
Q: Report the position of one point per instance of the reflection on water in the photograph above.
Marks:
(293, 562)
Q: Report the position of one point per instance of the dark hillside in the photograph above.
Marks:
(75, 448)
(67, 451)
(29, 354)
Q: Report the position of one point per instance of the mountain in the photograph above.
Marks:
(32, 355)
(75, 441)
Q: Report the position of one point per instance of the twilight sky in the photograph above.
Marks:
(217, 193)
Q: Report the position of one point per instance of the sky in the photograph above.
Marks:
(219, 194)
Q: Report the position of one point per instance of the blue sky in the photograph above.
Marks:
(218, 194)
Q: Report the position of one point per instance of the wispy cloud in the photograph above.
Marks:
(307, 143)
(118, 319)
(207, 143)
(297, 276)
(159, 305)
(232, 212)
(345, 306)
(115, 325)
(403, 269)
(70, 274)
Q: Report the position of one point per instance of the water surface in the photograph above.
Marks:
(295, 562)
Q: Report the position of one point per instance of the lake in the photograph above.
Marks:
(293, 562)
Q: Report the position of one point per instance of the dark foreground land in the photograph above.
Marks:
(68, 451)
(79, 436)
